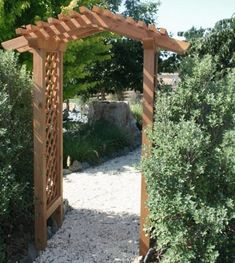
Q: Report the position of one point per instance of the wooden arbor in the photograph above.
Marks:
(47, 41)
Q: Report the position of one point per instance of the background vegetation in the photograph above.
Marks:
(16, 199)
(91, 142)
(191, 173)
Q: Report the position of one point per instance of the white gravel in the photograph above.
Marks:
(103, 226)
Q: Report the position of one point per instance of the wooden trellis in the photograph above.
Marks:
(47, 41)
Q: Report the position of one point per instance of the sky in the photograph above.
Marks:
(181, 15)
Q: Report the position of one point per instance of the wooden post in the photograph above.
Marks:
(59, 211)
(149, 82)
(48, 135)
(39, 119)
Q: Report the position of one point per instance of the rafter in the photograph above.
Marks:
(87, 22)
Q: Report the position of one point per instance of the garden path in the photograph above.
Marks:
(103, 225)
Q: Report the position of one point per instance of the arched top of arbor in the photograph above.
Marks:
(55, 33)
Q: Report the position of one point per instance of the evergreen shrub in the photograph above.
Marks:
(16, 142)
(190, 173)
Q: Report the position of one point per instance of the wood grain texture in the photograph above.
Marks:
(149, 86)
(68, 27)
(39, 122)
(59, 213)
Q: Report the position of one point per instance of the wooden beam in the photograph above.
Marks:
(15, 43)
(59, 212)
(24, 49)
(171, 44)
(39, 128)
(48, 45)
(54, 206)
(149, 82)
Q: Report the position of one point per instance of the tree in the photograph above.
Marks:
(218, 41)
(170, 62)
(125, 69)
(14, 14)
(82, 55)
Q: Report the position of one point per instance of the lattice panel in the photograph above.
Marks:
(52, 107)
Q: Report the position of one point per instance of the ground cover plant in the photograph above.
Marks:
(16, 199)
(191, 172)
(137, 111)
(91, 142)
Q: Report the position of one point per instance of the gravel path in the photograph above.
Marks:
(104, 223)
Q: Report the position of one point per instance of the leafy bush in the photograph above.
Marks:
(90, 142)
(15, 147)
(191, 172)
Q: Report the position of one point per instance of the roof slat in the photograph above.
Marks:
(78, 25)
(123, 27)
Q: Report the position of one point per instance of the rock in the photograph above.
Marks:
(105, 159)
(138, 259)
(67, 207)
(54, 227)
(49, 232)
(75, 167)
(32, 252)
(85, 165)
(66, 171)
(126, 150)
(25, 260)
(118, 113)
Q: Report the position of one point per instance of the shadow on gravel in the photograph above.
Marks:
(117, 165)
(91, 236)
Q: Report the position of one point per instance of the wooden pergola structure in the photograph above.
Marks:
(47, 41)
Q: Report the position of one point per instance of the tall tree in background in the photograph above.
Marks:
(125, 69)
(220, 43)
(14, 14)
(82, 55)
(170, 62)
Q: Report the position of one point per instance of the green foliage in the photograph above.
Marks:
(15, 145)
(125, 68)
(90, 142)
(82, 55)
(193, 33)
(9, 12)
(191, 173)
(14, 14)
(80, 58)
(218, 42)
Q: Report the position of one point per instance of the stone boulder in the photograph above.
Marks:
(118, 113)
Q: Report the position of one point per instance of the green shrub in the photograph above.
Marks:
(137, 110)
(191, 172)
(15, 147)
(90, 142)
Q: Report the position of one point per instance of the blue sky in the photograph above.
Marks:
(180, 15)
